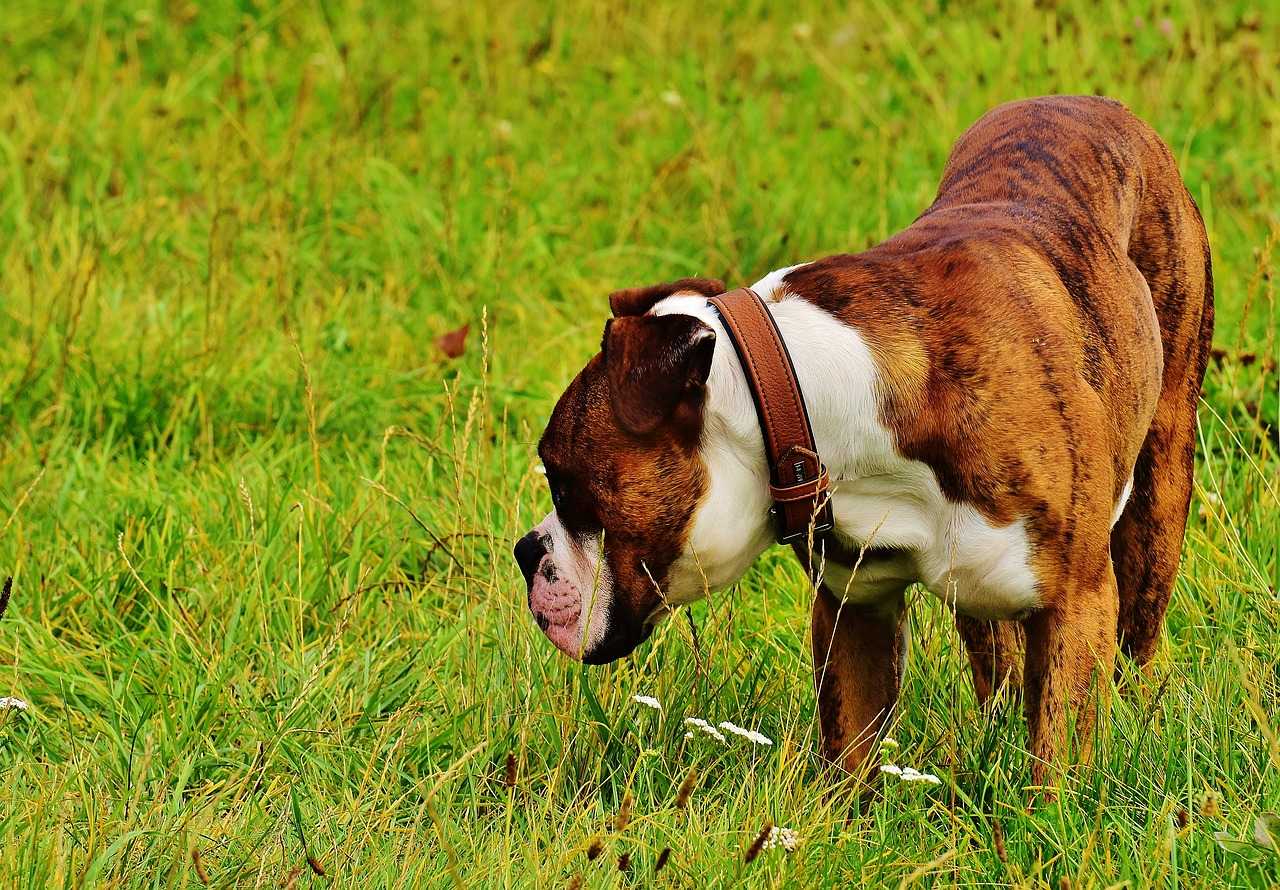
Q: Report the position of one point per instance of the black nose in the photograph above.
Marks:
(529, 552)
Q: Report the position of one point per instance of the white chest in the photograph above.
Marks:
(912, 533)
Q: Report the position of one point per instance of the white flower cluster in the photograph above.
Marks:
(15, 703)
(783, 837)
(699, 723)
(910, 774)
(749, 734)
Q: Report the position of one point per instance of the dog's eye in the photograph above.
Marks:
(556, 484)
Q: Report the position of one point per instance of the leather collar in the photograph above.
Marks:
(798, 481)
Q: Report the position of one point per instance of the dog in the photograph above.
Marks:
(1003, 395)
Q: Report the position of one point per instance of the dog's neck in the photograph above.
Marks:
(839, 379)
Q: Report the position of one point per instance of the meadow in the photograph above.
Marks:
(258, 504)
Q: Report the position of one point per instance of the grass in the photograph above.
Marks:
(259, 524)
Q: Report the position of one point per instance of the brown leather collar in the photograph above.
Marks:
(797, 479)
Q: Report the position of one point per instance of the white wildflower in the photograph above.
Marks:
(910, 774)
(890, 743)
(781, 837)
(748, 734)
(802, 31)
(672, 99)
(648, 700)
(16, 703)
(699, 723)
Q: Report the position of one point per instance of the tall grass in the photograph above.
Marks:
(264, 611)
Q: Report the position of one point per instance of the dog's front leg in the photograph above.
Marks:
(1070, 660)
(859, 657)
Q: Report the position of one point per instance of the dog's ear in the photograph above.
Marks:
(655, 362)
(639, 300)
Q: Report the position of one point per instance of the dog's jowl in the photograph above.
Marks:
(1003, 396)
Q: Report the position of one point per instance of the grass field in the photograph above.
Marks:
(259, 524)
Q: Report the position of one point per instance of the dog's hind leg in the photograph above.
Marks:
(1070, 659)
(859, 657)
(1146, 543)
(996, 650)
(1171, 250)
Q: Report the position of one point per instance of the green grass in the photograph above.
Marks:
(259, 525)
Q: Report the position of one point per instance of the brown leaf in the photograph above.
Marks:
(454, 343)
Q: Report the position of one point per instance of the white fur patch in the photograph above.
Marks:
(767, 287)
(1124, 499)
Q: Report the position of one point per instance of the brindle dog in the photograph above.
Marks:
(1035, 345)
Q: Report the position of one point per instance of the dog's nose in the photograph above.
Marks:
(529, 551)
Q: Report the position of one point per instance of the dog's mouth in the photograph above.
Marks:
(661, 612)
(560, 619)
(556, 607)
(617, 643)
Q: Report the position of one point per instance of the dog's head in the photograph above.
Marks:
(622, 453)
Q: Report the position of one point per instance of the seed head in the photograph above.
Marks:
(315, 866)
(686, 789)
(624, 814)
(594, 849)
(997, 834)
(624, 861)
(662, 860)
(199, 864)
(758, 844)
(510, 779)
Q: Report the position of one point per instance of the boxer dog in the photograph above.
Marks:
(1004, 395)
